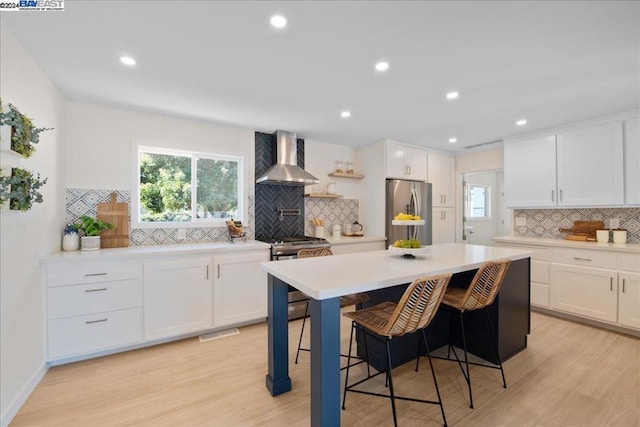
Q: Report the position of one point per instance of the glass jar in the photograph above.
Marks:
(349, 168)
(339, 167)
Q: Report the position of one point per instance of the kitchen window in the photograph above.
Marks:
(186, 189)
(477, 202)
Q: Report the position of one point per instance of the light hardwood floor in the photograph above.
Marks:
(570, 374)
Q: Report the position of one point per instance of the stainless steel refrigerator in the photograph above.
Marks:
(411, 197)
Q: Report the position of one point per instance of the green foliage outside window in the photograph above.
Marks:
(166, 183)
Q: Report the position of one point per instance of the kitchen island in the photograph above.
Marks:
(326, 279)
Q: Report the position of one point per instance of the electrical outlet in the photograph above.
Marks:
(614, 223)
(521, 221)
(182, 234)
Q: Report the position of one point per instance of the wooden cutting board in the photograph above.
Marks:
(116, 214)
(584, 228)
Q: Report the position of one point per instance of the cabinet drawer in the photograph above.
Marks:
(76, 335)
(630, 262)
(588, 258)
(78, 300)
(540, 271)
(93, 273)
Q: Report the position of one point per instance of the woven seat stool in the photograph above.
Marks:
(386, 320)
(478, 296)
(345, 301)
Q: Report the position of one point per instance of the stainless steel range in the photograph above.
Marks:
(287, 248)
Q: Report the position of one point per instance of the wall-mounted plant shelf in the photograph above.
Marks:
(18, 134)
(20, 188)
(324, 196)
(346, 175)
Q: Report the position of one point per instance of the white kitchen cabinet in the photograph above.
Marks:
(629, 299)
(239, 288)
(540, 272)
(586, 291)
(590, 166)
(404, 162)
(530, 172)
(443, 225)
(631, 161)
(441, 174)
(177, 297)
(93, 307)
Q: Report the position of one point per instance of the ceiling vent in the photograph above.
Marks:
(483, 144)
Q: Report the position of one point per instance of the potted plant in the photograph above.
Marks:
(91, 229)
(23, 133)
(21, 189)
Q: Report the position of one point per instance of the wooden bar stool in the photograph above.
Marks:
(479, 295)
(345, 301)
(386, 320)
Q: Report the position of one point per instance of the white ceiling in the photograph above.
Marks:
(550, 62)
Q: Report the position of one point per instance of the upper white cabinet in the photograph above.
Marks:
(580, 167)
(177, 297)
(632, 160)
(239, 288)
(404, 162)
(590, 166)
(530, 172)
(441, 174)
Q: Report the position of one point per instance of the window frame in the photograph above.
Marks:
(194, 155)
(487, 202)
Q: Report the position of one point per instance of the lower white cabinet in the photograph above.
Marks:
(443, 225)
(73, 336)
(239, 288)
(629, 299)
(177, 297)
(590, 292)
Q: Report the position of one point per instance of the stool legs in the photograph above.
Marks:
(346, 379)
(495, 345)
(393, 398)
(304, 320)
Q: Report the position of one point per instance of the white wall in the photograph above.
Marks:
(26, 236)
(98, 154)
(479, 161)
(320, 160)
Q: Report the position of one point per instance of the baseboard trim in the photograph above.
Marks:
(586, 321)
(25, 392)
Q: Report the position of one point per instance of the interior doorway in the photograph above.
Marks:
(484, 212)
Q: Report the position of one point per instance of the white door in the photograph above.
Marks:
(443, 225)
(480, 207)
(177, 297)
(530, 173)
(239, 288)
(590, 166)
(629, 299)
(590, 292)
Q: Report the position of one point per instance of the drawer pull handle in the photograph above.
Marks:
(611, 283)
(88, 322)
(95, 290)
(581, 259)
(623, 280)
(95, 274)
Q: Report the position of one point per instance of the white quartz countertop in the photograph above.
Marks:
(358, 239)
(562, 243)
(147, 251)
(337, 275)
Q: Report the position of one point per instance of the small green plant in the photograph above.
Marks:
(91, 227)
(23, 132)
(21, 189)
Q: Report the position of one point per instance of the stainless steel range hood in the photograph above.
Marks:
(286, 170)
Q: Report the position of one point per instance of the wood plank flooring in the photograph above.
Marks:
(570, 374)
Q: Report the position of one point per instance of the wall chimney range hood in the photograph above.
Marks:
(286, 170)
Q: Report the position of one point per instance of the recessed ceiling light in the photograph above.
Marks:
(521, 122)
(452, 95)
(127, 60)
(345, 114)
(452, 140)
(382, 66)
(278, 21)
